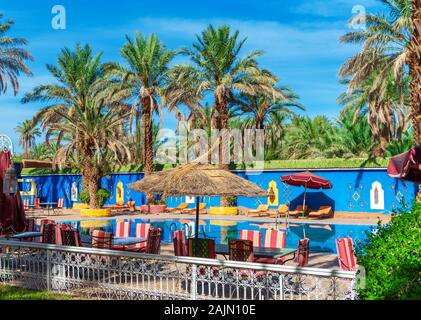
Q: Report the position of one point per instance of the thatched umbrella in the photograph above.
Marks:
(197, 180)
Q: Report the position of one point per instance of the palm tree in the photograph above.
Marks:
(259, 108)
(28, 131)
(388, 48)
(218, 69)
(143, 81)
(95, 141)
(81, 78)
(311, 138)
(415, 69)
(12, 58)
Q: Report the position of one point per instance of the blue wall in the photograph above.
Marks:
(350, 192)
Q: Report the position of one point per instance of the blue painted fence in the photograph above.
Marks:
(350, 192)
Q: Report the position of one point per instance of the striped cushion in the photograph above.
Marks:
(251, 235)
(122, 229)
(60, 204)
(303, 252)
(142, 232)
(346, 257)
(59, 228)
(102, 239)
(275, 239)
(180, 247)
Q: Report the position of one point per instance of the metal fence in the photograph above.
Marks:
(105, 274)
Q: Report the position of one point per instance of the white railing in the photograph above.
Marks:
(107, 274)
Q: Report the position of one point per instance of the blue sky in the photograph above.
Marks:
(300, 39)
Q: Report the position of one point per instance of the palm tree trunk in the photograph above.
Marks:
(222, 124)
(415, 70)
(147, 142)
(93, 192)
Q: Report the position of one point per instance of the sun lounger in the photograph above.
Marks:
(180, 207)
(261, 210)
(299, 211)
(282, 210)
(323, 212)
(202, 206)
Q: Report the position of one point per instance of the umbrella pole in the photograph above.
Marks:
(304, 202)
(197, 217)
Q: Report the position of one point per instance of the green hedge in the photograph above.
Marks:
(269, 165)
(392, 259)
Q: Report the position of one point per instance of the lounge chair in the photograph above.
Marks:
(261, 209)
(346, 256)
(323, 212)
(202, 207)
(251, 235)
(282, 210)
(180, 207)
(299, 211)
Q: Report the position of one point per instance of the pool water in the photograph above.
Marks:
(322, 237)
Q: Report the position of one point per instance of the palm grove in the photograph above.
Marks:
(99, 115)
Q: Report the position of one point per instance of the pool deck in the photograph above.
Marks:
(346, 218)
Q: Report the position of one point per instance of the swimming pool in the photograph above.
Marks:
(322, 236)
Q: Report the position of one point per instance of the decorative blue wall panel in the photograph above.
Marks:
(350, 192)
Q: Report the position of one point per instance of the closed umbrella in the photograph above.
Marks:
(307, 180)
(196, 180)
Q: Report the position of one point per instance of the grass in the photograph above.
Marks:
(269, 165)
(13, 293)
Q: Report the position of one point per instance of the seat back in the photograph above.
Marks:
(49, 233)
(102, 239)
(42, 225)
(201, 248)
(153, 245)
(122, 229)
(71, 238)
(251, 235)
(180, 246)
(202, 206)
(263, 207)
(241, 250)
(142, 230)
(29, 224)
(60, 203)
(303, 252)
(59, 228)
(283, 208)
(183, 205)
(346, 256)
(275, 239)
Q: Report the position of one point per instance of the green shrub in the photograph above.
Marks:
(392, 259)
(101, 196)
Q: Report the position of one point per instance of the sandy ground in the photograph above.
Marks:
(318, 260)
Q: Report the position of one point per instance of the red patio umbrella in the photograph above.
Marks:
(12, 214)
(406, 166)
(307, 180)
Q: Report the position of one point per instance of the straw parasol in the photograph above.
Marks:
(197, 180)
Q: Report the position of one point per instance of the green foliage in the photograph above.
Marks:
(232, 200)
(102, 196)
(392, 259)
(400, 146)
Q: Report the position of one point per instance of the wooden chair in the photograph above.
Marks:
(201, 248)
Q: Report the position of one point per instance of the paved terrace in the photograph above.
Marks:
(317, 260)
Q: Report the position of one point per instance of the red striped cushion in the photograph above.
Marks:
(303, 252)
(142, 230)
(346, 256)
(275, 239)
(122, 229)
(251, 235)
(180, 247)
(60, 204)
(101, 239)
